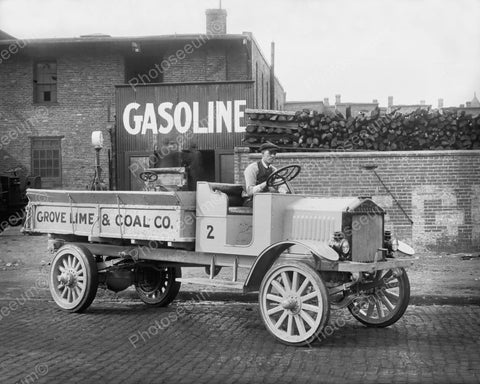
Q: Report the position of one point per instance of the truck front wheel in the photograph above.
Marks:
(294, 302)
(156, 286)
(73, 278)
(386, 302)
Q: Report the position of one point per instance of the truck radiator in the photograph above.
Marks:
(367, 236)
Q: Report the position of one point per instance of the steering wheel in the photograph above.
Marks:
(283, 176)
(148, 176)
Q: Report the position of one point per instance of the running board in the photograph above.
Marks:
(211, 282)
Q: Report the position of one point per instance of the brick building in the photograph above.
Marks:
(471, 107)
(56, 92)
(299, 105)
(347, 109)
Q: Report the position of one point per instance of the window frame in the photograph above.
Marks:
(54, 180)
(36, 84)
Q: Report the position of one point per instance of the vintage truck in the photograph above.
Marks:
(306, 254)
(13, 198)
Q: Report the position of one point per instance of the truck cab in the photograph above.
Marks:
(224, 225)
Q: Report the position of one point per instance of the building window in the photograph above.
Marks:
(46, 160)
(143, 69)
(45, 82)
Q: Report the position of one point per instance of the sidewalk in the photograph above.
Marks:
(436, 278)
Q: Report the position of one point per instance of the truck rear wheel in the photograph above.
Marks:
(386, 303)
(73, 278)
(294, 302)
(156, 286)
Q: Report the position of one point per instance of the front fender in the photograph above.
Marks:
(405, 248)
(270, 254)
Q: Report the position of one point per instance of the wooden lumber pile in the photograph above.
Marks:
(279, 127)
(420, 129)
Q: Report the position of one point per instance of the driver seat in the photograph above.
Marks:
(235, 197)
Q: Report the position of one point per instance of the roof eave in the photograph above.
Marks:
(109, 39)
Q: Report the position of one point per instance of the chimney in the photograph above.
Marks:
(440, 103)
(390, 101)
(338, 99)
(422, 102)
(216, 21)
(326, 102)
(468, 104)
(375, 101)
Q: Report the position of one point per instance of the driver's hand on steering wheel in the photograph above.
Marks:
(282, 189)
(279, 189)
(269, 189)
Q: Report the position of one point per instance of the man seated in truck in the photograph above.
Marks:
(256, 174)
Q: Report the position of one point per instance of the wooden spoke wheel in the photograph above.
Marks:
(73, 278)
(294, 303)
(156, 286)
(386, 302)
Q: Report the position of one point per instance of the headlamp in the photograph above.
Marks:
(340, 245)
(345, 247)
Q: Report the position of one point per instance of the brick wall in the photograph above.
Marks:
(211, 61)
(439, 190)
(85, 104)
(261, 75)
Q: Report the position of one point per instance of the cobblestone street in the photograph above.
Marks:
(239, 192)
(217, 336)
(217, 342)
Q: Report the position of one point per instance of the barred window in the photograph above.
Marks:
(46, 160)
(45, 82)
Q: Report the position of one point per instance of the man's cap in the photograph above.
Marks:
(269, 146)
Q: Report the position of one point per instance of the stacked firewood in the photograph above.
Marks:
(417, 130)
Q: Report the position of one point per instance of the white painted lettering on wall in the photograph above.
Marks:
(435, 213)
(220, 116)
